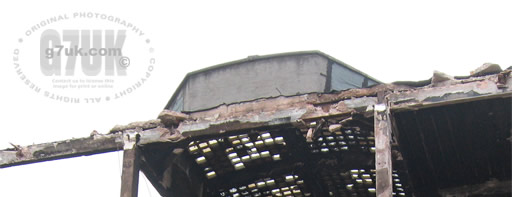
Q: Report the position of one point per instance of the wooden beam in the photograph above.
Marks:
(383, 165)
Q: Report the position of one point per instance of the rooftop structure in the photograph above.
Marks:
(446, 136)
(255, 77)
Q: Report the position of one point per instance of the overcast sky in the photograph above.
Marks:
(391, 41)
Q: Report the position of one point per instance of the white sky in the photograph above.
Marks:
(396, 40)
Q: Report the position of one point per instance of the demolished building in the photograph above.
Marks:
(306, 124)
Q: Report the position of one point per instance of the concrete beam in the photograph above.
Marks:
(131, 166)
(458, 92)
(383, 157)
(94, 144)
(267, 112)
(61, 149)
(270, 112)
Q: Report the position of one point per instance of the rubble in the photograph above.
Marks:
(141, 125)
(171, 118)
(486, 69)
